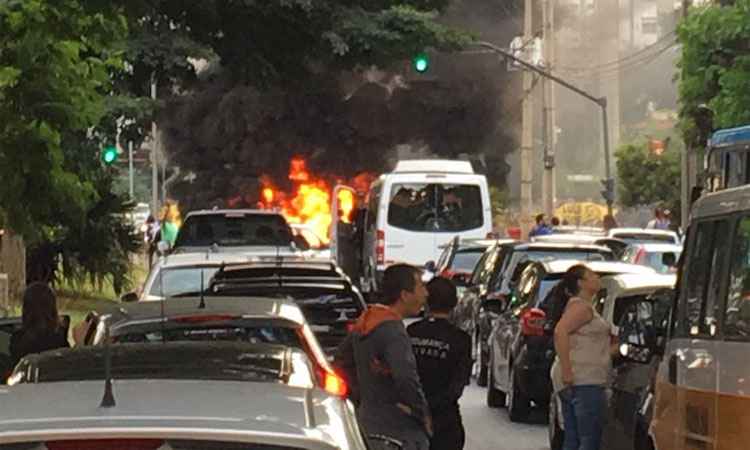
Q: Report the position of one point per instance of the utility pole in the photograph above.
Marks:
(527, 134)
(130, 169)
(154, 160)
(687, 162)
(548, 109)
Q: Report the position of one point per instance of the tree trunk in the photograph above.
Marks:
(13, 263)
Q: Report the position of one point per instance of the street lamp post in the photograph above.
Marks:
(601, 101)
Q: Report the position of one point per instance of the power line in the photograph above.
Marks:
(612, 71)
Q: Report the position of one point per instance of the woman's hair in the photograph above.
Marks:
(40, 308)
(571, 278)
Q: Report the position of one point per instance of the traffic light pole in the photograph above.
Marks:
(601, 101)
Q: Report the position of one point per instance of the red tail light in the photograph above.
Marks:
(334, 384)
(204, 318)
(106, 444)
(349, 326)
(532, 322)
(380, 247)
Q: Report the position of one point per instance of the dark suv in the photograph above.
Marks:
(330, 302)
(521, 350)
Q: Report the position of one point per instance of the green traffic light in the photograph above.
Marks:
(421, 63)
(109, 155)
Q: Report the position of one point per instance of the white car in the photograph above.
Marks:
(644, 235)
(654, 256)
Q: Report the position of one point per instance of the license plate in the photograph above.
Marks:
(320, 328)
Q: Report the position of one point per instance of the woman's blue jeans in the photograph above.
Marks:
(583, 410)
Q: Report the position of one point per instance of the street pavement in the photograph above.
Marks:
(490, 429)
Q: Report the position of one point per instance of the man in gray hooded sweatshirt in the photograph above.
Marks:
(378, 363)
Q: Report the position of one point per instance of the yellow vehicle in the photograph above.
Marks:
(702, 387)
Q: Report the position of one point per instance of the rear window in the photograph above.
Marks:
(181, 281)
(211, 333)
(466, 261)
(435, 207)
(634, 238)
(234, 230)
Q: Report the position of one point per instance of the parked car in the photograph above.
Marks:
(235, 319)
(654, 256)
(8, 325)
(251, 231)
(459, 259)
(521, 351)
(329, 300)
(485, 305)
(639, 307)
(181, 396)
(644, 235)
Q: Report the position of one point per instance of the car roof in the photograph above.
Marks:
(562, 265)
(659, 247)
(232, 212)
(650, 231)
(203, 259)
(567, 238)
(636, 283)
(247, 307)
(559, 246)
(227, 411)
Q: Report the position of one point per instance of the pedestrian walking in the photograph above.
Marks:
(170, 223)
(583, 341)
(42, 328)
(443, 353)
(378, 363)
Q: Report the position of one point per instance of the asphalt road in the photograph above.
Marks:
(490, 429)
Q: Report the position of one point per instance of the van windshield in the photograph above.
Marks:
(435, 207)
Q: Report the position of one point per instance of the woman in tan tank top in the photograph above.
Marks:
(579, 373)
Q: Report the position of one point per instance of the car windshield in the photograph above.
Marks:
(234, 230)
(466, 260)
(435, 207)
(181, 281)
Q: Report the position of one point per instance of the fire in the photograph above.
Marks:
(309, 201)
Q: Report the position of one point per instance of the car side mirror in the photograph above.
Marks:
(430, 266)
(669, 259)
(636, 353)
(129, 297)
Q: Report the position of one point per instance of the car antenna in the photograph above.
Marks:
(202, 304)
(108, 400)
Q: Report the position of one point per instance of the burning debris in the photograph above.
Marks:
(309, 201)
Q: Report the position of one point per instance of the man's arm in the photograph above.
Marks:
(399, 357)
(344, 363)
(459, 377)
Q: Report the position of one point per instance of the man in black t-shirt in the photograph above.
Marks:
(443, 353)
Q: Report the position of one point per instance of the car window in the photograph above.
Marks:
(465, 261)
(737, 311)
(634, 238)
(181, 281)
(704, 278)
(489, 266)
(479, 267)
(230, 230)
(435, 207)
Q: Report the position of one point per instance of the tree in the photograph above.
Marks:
(714, 76)
(646, 178)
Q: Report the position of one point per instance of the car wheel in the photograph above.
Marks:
(518, 405)
(495, 397)
(556, 434)
(481, 365)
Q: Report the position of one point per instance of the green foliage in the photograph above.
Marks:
(714, 70)
(645, 179)
(499, 199)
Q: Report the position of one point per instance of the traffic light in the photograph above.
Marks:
(109, 155)
(609, 190)
(421, 63)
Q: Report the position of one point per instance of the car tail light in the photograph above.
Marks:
(106, 444)
(204, 318)
(350, 326)
(380, 247)
(532, 322)
(334, 384)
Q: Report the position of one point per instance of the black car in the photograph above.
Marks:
(329, 300)
(7, 327)
(521, 349)
(459, 259)
(495, 283)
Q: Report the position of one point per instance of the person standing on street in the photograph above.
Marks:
(659, 222)
(583, 342)
(377, 361)
(170, 223)
(443, 353)
(541, 227)
(42, 328)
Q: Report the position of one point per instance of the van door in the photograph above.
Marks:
(733, 415)
(370, 263)
(686, 401)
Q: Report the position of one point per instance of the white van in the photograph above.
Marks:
(419, 207)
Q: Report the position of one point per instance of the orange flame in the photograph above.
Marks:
(309, 203)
